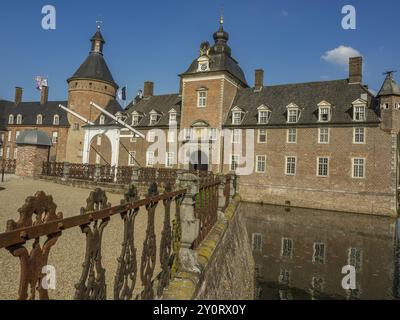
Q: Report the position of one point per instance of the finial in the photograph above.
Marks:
(389, 73)
(99, 23)
(221, 20)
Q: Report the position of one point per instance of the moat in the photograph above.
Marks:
(300, 253)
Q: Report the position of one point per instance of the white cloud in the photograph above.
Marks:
(340, 55)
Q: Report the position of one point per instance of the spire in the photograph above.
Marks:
(221, 38)
(389, 87)
(97, 40)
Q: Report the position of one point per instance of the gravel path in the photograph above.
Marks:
(67, 255)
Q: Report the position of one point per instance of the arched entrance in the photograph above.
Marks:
(198, 161)
(100, 150)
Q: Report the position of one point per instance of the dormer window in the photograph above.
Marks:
(135, 120)
(263, 115)
(293, 113)
(19, 119)
(202, 98)
(102, 120)
(324, 112)
(237, 116)
(359, 110)
(56, 120)
(173, 117)
(39, 119)
(11, 119)
(154, 118)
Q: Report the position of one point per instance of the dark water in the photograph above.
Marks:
(300, 253)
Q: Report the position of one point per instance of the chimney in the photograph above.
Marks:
(18, 95)
(148, 89)
(44, 95)
(355, 69)
(259, 80)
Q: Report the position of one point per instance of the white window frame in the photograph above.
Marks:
(359, 110)
(188, 134)
(19, 119)
(169, 159)
(263, 159)
(324, 106)
(102, 119)
(131, 158)
(154, 118)
(7, 153)
(232, 162)
(353, 160)
(292, 108)
(213, 133)
(236, 136)
(54, 137)
(291, 135)
(319, 164)
(11, 119)
(237, 117)
(259, 136)
(364, 130)
(286, 165)
(17, 133)
(150, 159)
(56, 120)
(320, 135)
(151, 136)
(39, 119)
(319, 259)
(173, 118)
(202, 98)
(135, 120)
(264, 117)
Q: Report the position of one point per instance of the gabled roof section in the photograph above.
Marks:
(306, 96)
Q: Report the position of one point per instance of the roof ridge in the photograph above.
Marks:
(301, 83)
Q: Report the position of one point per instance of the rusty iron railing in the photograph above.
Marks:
(7, 166)
(53, 169)
(82, 171)
(38, 219)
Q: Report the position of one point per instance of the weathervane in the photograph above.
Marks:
(389, 73)
(99, 23)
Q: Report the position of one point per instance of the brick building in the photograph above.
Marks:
(326, 144)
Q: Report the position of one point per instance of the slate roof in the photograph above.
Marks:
(94, 67)
(162, 104)
(35, 138)
(113, 107)
(339, 93)
(30, 110)
(389, 86)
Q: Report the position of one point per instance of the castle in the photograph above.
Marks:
(327, 144)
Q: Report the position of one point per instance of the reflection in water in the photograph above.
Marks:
(300, 253)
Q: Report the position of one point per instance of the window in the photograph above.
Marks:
(236, 136)
(262, 136)
(9, 136)
(324, 114)
(292, 135)
(358, 168)
(323, 136)
(201, 99)
(172, 118)
(153, 119)
(151, 136)
(323, 167)
(135, 120)
(291, 166)
(19, 119)
(359, 135)
(317, 284)
(397, 106)
(287, 248)
(10, 119)
(8, 153)
(56, 120)
(284, 277)
(319, 253)
(132, 156)
(39, 119)
(169, 160)
(261, 163)
(256, 241)
(15, 153)
(213, 134)
(234, 162)
(359, 113)
(355, 258)
(76, 126)
(150, 158)
(17, 133)
(293, 115)
(385, 106)
(263, 116)
(188, 132)
(237, 117)
(102, 120)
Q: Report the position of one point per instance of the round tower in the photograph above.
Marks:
(92, 82)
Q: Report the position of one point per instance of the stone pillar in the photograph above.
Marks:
(221, 196)
(189, 224)
(66, 171)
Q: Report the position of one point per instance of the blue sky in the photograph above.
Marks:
(157, 40)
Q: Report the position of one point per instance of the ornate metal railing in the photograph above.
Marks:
(124, 175)
(38, 219)
(8, 166)
(82, 171)
(53, 169)
(107, 174)
(206, 208)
